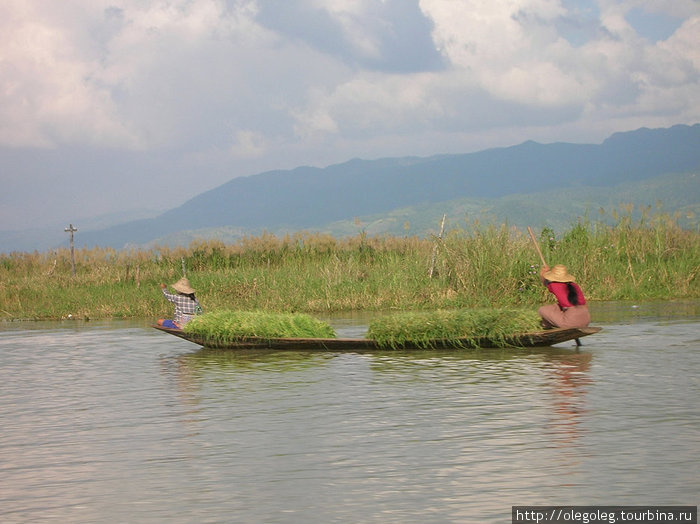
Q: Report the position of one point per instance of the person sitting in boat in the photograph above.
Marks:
(571, 310)
(186, 305)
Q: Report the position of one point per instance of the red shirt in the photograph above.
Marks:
(561, 291)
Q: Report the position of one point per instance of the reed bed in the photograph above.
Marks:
(459, 327)
(475, 266)
(228, 326)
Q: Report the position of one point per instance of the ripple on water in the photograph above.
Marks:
(117, 419)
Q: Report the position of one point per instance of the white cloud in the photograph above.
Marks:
(248, 144)
(491, 34)
(370, 101)
(352, 17)
(491, 57)
(684, 45)
(171, 64)
(677, 8)
(126, 74)
(510, 49)
(46, 93)
(161, 73)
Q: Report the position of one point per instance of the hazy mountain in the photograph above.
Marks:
(675, 194)
(316, 198)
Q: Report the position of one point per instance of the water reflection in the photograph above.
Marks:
(475, 402)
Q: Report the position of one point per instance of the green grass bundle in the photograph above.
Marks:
(227, 325)
(462, 327)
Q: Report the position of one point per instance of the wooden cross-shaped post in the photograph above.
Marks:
(70, 229)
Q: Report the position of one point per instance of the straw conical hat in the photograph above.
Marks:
(183, 286)
(558, 273)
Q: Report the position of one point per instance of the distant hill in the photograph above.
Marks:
(559, 209)
(316, 198)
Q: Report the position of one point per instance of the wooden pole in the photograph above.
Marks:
(537, 247)
(70, 229)
(432, 262)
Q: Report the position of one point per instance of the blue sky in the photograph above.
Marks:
(113, 106)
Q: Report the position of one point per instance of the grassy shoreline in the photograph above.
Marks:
(487, 266)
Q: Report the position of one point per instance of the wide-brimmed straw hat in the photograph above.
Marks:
(558, 273)
(183, 286)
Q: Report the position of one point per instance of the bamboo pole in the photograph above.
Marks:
(537, 247)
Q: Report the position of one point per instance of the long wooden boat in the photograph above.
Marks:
(537, 339)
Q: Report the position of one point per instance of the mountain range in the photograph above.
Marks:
(530, 183)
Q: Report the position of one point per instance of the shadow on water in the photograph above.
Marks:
(281, 361)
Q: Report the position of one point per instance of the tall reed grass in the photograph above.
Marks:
(476, 266)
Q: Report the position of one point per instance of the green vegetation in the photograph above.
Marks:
(645, 258)
(559, 207)
(229, 326)
(461, 327)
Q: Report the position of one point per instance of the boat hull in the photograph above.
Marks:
(538, 339)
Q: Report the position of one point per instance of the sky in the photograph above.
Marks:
(127, 106)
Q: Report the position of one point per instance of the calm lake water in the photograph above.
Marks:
(117, 422)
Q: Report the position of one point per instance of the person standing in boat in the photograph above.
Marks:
(186, 305)
(571, 310)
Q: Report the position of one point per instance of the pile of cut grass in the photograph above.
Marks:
(460, 327)
(229, 326)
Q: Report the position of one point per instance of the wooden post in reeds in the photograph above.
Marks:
(70, 229)
(432, 262)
